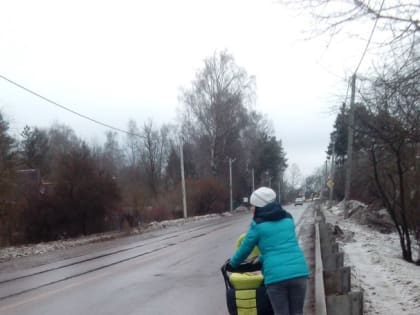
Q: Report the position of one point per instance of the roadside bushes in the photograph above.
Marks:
(204, 196)
(207, 195)
(82, 197)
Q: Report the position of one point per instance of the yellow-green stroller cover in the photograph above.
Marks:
(245, 290)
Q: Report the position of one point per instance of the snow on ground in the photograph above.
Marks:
(390, 284)
(8, 253)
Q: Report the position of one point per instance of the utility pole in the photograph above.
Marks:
(349, 148)
(279, 188)
(184, 194)
(253, 182)
(326, 172)
(324, 180)
(332, 171)
(418, 188)
(230, 182)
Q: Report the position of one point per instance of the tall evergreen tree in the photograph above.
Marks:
(34, 149)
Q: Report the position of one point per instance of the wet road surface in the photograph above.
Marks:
(173, 273)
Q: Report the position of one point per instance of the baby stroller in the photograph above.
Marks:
(245, 290)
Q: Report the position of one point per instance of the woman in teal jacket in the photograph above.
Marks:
(283, 263)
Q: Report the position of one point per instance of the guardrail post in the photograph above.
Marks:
(337, 281)
(346, 304)
(328, 249)
(333, 261)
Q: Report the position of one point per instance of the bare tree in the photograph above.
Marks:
(155, 150)
(257, 129)
(112, 156)
(392, 130)
(62, 140)
(133, 144)
(216, 106)
(295, 176)
(315, 182)
(173, 170)
(399, 17)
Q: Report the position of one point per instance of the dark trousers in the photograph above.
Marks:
(287, 297)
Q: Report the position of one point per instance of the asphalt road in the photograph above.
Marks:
(173, 273)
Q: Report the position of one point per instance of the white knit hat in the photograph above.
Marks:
(262, 197)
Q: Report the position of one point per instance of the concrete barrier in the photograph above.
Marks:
(333, 261)
(337, 281)
(345, 304)
(328, 249)
(320, 301)
(333, 295)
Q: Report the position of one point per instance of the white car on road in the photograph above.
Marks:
(299, 201)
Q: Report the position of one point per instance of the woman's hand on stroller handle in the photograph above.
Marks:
(247, 266)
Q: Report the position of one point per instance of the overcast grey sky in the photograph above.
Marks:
(120, 60)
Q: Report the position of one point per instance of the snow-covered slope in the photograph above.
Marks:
(390, 284)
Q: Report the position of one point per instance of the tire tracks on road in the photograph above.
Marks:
(5, 284)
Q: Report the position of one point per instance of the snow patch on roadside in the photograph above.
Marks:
(178, 222)
(11, 252)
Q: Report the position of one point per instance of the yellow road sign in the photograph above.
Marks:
(330, 183)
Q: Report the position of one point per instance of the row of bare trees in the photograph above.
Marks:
(79, 188)
(387, 140)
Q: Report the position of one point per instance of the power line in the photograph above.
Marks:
(350, 136)
(365, 50)
(67, 108)
(370, 38)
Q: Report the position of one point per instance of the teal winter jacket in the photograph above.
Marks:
(273, 231)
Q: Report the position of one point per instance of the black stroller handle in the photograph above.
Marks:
(246, 266)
